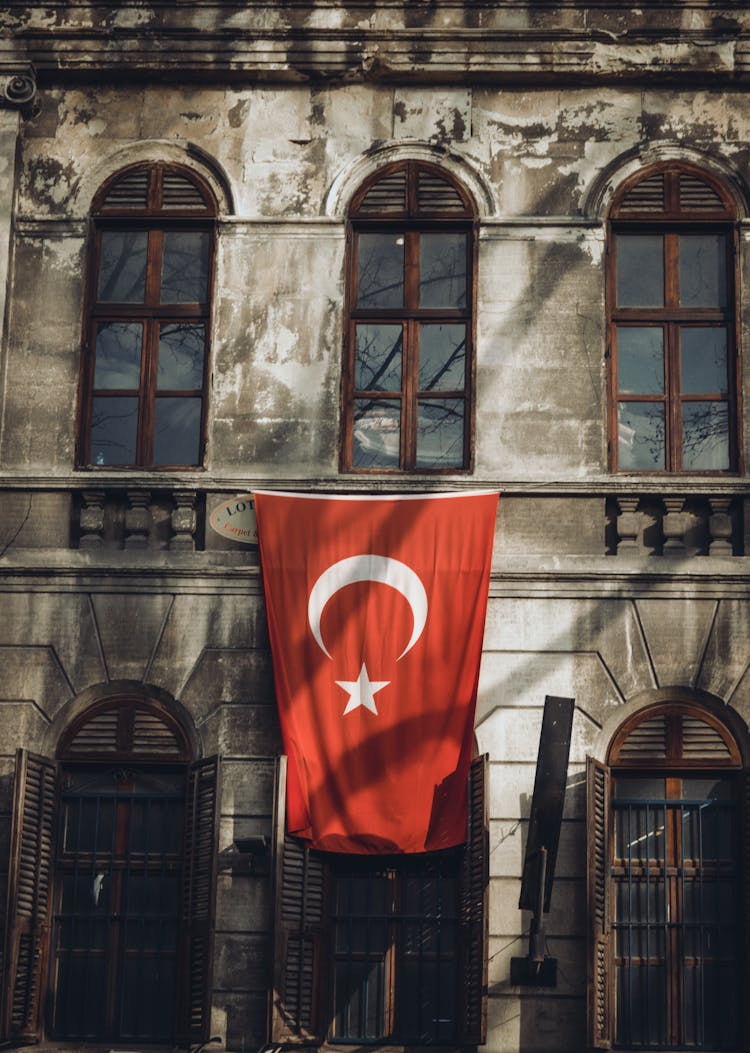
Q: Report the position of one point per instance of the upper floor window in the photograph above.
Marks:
(146, 351)
(409, 345)
(672, 315)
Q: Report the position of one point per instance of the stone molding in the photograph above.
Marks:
(17, 85)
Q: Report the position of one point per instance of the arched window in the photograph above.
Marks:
(668, 919)
(408, 360)
(111, 878)
(145, 363)
(672, 312)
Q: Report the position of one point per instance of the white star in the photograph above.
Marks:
(362, 691)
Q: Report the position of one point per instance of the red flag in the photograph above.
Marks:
(376, 611)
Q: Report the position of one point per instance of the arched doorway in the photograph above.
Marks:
(112, 879)
(666, 824)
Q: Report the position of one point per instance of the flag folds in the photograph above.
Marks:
(376, 611)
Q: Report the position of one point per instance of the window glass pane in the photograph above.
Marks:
(122, 267)
(181, 349)
(442, 357)
(705, 436)
(118, 355)
(440, 433)
(184, 268)
(442, 270)
(704, 361)
(640, 360)
(640, 270)
(703, 270)
(177, 431)
(640, 431)
(641, 788)
(380, 270)
(376, 433)
(114, 422)
(377, 364)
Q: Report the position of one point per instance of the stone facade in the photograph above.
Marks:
(541, 111)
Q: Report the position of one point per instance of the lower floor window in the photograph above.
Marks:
(676, 905)
(382, 949)
(395, 963)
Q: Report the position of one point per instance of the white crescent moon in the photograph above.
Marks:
(380, 569)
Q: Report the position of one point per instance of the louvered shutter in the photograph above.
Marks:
(598, 906)
(29, 896)
(300, 923)
(474, 913)
(198, 900)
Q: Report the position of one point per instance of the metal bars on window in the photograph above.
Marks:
(676, 904)
(117, 912)
(395, 962)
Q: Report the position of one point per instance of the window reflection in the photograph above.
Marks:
(122, 266)
(377, 433)
(442, 357)
(377, 364)
(114, 422)
(184, 273)
(704, 360)
(705, 435)
(118, 355)
(703, 270)
(180, 365)
(640, 360)
(177, 430)
(440, 433)
(640, 270)
(641, 436)
(442, 270)
(380, 270)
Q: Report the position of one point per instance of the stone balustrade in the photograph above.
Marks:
(677, 526)
(139, 519)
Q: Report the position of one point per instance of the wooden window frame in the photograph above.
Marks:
(411, 223)
(604, 871)
(671, 222)
(155, 219)
(301, 1005)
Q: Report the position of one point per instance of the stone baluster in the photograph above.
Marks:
(184, 521)
(674, 526)
(92, 519)
(720, 527)
(138, 519)
(628, 526)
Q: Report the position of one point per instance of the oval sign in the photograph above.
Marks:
(235, 519)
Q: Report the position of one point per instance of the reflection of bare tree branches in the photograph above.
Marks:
(184, 269)
(181, 347)
(705, 436)
(371, 340)
(122, 275)
(456, 356)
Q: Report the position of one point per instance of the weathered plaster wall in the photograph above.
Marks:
(543, 159)
(203, 641)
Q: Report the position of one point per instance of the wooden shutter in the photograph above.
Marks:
(474, 913)
(29, 908)
(300, 924)
(597, 868)
(198, 900)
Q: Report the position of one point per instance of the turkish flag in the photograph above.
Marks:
(376, 610)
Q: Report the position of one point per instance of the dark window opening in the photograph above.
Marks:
(672, 313)
(409, 358)
(146, 347)
(395, 957)
(668, 916)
